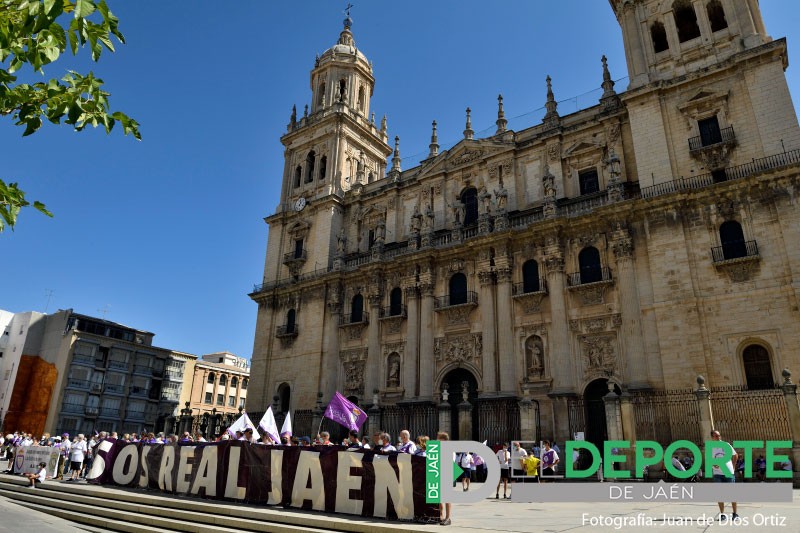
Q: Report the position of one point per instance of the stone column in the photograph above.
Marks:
(486, 303)
(613, 416)
(505, 333)
(560, 360)
(746, 23)
(445, 424)
(634, 49)
(426, 365)
(628, 418)
(464, 414)
(793, 407)
(372, 374)
(330, 356)
(410, 357)
(527, 420)
(704, 405)
(631, 329)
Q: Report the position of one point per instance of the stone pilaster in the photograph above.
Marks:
(631, 329)
(410, 361)
(560, 361)
(628, 419)
(634, 47)
(505, 333)
(427, 318)
(372, 375)
(704, 406)
(330, 356)
(613, 415)
(488, 332)
(527, 420)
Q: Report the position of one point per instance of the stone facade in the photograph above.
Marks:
(382, 284)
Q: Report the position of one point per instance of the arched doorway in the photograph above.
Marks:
(454, 381)
(596, 429)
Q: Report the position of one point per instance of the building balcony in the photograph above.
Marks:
(112, 388)
(286, 331)
(134, 415)
(106, 412)
(91, 411)
(530, 287)
(170, 397)
(78, 384)
(142, 370)
(467, 298)
(296, 257)
(140, 392)
(735, 251)
(72, 408)
(83, 360)
(118, 365)
(588, 276)
(712, 139)
(353, 319)
(394, 311)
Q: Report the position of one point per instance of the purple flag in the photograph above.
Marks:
(346, 413)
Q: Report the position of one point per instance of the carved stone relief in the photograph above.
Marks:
(464, 348)
(599, 353)
(353, 362)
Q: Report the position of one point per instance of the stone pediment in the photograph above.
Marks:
(579, 147)
(703, 101)
(464, 154)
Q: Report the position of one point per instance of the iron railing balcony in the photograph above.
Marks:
(723, 136)
(108, 412)
(296, 256)
(734, 250)
(72, 408)
(287, 330)
(118, 365)
(530, 287)
(134, 415)
(589, 275)
(457, 298)
(91, 411)
(143, 370)
(348, 319)
(141, 392)
(394, 311)
(83, 359)
(114, 388)
(78, 383)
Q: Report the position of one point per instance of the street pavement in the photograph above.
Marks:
(16, 518)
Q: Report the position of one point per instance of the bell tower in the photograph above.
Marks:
(707, 87)
(332, 148)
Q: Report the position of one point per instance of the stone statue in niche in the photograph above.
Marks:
(416, 220)
(380, 231)
(458, 212)
(427, 222)
(548, 182)
(341, 241)
(486, 200)
(501, 195)
(534, 356)
(393, 376)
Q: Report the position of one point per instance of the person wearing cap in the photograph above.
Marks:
(305, 441)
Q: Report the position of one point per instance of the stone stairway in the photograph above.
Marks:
(103, 508)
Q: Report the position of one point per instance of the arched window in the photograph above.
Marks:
(234, 382)
(589, 261)
(211, 377)
(298, 174)
(470, 200)
(458, 289)
(757, 367)
(357, 309)
(323, 167)
(659, 36)
(685, 20)
(396, 302)
(732, 239)
(290, 321)
(530, 277)
(245, 382)
(321, 97)
(223, 379)
(716, 15)
(284, 397)
(310, 159)
(361, 99)
(342, 89)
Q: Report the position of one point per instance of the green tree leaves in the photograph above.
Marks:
(36, 33)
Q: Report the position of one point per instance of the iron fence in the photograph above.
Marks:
(665, 416)
(499, 420)
(742, 414)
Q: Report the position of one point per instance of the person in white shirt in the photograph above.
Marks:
(407, 445)
(77, 454)
(386, 441)
(466, 464)
(723, 474)
(39, 477)
(504, 458)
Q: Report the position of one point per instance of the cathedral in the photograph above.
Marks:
(514, 286)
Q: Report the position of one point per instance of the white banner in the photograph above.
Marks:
(27, 459)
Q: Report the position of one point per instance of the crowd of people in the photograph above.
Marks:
(75, 454)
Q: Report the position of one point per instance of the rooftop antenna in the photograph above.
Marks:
(104, 310)
(49, 294)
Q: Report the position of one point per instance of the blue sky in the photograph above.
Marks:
(167, 234)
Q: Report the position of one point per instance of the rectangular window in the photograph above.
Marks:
(241, 402)
(298, 248)
(220, 399)
(231, 401)
(209, 398)
(709, 131)
(589, 181)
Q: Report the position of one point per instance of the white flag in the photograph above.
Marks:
(286, 429)
(242, 424)
(269, 426)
